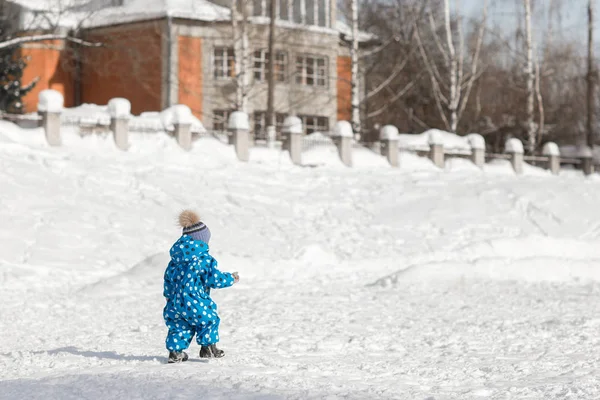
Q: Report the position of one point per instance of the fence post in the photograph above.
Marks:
(120, 111)
(293, 132)
(477, 143)
(436, 149)
(587, 160)
(50, 106)
(553, 153)
(388, 135)
(182, 121)
(239, 127)
(343, 137)
(514, 147)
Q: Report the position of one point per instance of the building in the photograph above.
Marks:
(157, 53)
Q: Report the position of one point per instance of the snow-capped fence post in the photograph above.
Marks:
(477, 143)
(120, 112)
(292, 131)
(436, 149)
(388, 135)
(50, 106)
(551, 151)
(343, 137)
(239, 127)
(514, 147)
(587, 160)
(182, 122)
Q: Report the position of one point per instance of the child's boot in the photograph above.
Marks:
(211, 351)
(177, 356)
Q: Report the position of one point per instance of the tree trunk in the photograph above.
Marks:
(270, 70)
(452, 70)
(356, 123)
(530, 76)
(591, 77)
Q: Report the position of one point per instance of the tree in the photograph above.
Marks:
(12, 88)
(451, 85)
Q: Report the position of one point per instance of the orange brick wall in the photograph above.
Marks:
(190, 73)
(51, 65)
(344, 88)
(129, 65)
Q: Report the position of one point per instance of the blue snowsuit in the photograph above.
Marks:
(190, 275)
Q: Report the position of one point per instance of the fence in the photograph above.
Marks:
(178, 122)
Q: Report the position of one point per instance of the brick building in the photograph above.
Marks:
(157, 53)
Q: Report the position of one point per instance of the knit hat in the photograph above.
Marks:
(193, 227)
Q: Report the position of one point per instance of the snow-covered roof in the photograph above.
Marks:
(140, 10)
(47, 14)
(346, 31)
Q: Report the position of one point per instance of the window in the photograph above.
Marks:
(220, 119)
(261, 58)
(260, 123)
(284, 10)
(257, 8)
(309, 12)
(311, 71)
(223, 63)
(314, 123)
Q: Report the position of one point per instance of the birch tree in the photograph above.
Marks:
(451, 80)
(356, 123)
(530, 80)
(239, 27)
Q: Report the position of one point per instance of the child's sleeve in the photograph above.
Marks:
(168, 285)
(217, 279)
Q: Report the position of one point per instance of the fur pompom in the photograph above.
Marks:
(188, 218)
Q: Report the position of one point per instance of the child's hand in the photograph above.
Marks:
(236, 277)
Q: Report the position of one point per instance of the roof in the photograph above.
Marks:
(47, 14)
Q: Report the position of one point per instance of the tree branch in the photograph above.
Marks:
(40, 38)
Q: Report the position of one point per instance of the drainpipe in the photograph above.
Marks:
(169, 57)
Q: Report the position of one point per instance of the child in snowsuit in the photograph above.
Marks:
(190, 275)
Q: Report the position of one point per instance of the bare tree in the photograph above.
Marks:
(530, 78)
(591, 76)
(451, 85)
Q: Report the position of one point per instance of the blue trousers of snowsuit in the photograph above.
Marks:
(189, 277)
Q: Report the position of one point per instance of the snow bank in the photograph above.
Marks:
(421, 142)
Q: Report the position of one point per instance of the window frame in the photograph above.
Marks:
(227, 61)
(262, 70)
(302, 75)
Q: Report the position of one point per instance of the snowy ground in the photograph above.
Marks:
(363, 283)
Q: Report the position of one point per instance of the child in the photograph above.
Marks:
(190, 275)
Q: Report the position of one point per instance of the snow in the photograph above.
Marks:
(584, 152)
(343, 129)
(388, 132)
(292, 124)
(181, 115)
(551, 149)
(358, 283)
(50, 101)
(514, 146)
(476, 141)
(453, 143)
(238, 120)
(119, 108)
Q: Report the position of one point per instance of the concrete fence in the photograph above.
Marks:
(181, 124)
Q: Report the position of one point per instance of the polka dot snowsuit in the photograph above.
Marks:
(190, 311)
